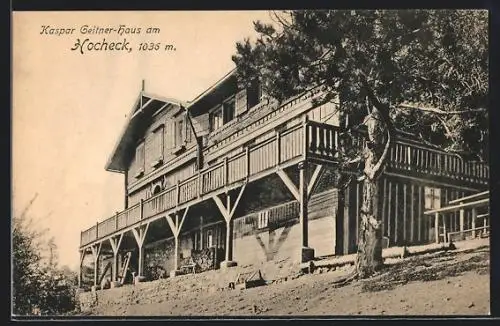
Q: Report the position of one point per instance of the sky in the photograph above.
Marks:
(70, 108)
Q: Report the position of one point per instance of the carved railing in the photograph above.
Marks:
(308, 140)
(425, 160)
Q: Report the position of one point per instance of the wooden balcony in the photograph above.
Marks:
(308, 140)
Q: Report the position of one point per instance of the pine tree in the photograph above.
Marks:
(422, 71)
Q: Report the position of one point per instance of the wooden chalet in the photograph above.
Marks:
(234, 178)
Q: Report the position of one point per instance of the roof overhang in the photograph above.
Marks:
(145, 106)
(224, 87)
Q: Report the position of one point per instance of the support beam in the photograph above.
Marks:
(140, 236)
(171, 223)
(80, 272)
(289, 184)
(183, 218)
(96, 252)
(474, 217)
(240, 194)
(229, 241)
(444, 230)
(314, 180)
(306, 253)
(436, 226)
(339, 223)
(222, 208)
(146, 104)
(177, 253)
(228, 212)
(462, 218)
(115, 246)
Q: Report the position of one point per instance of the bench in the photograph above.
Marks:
(188, 269)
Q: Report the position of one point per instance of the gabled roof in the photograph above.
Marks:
(144, 107)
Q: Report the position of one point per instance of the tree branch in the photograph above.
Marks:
(375, 171)
(439, 111)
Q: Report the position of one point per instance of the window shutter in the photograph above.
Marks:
(169, 135)
(241, 102)
(158, 143)
(139, 156)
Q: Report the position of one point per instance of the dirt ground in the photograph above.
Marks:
(443, 283)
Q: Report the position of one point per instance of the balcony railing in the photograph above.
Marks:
(255, 159)
(405, 156)
(312, 141)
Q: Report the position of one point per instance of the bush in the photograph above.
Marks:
(40, 287)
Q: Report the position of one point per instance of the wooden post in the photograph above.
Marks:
(82, 256)
(339, 223)
(444, 229)
(303, 203)
(247, 155)
(141, 261)
(229, 231)
(141, 209)
(306, 138)
(278, 148)
(474, 216)
(229, 240)
(200, 184)
(96, 253)
(114, 269)
(97, 230)
(177, 252)
(177, 193)
(462, 219)
(201, 233)
(140, 236)
(226, 171)
(436, 226)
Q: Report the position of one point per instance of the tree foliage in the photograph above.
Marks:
(420, 71)
(428, 67)
(39, 285)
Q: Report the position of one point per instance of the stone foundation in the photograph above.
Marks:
(307, 254)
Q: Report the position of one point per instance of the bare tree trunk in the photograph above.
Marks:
(369, 258)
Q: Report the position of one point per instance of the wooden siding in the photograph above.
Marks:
(151, 144)
(401, 206)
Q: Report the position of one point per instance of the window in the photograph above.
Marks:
(241, 102)
(139, 159)
(189, 132)
(263, 219)
(157, 146)
(254, 96)
(432, 198)
(229, 110)
(179, 134)
(216, 119)
(222, 114)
